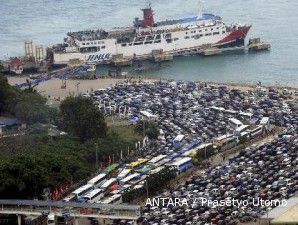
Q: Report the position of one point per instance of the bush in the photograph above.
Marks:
(80, 117)
(28, 106)
(151, 129)
(155, 183)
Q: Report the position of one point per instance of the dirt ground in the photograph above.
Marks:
(52, 88)
(53, 91)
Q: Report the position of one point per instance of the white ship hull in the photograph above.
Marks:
(185, 35)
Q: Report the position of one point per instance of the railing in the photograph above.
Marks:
(59, 208)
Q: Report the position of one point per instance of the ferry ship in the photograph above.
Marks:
(145, 36)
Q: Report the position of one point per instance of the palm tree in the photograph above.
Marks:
(31, 86)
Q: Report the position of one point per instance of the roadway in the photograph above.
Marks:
(70, 209)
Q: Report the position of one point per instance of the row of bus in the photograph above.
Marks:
(107, 189)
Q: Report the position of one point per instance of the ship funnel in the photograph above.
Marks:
(148, 19)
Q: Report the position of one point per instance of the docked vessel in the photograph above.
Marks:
(146, 37)
(255, 44)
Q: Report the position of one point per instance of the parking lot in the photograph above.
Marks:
(195, 117)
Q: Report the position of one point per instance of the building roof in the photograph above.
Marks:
(15, 62)
(9, 121)
(289, 217)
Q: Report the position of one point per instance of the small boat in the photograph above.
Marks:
(255, 44)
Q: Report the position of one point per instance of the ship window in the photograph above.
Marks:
(103, 47)
(87, 43)
(200, 30)
(130, 44)
(223, 32)
(169, 40)
(123, 45)
(186, 32)
(83, 43)
(211, 28)
(176, 39)
(215, 33)
(206, 29)
(157, 41)
(186, 37)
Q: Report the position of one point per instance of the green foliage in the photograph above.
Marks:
(155, 183)
(43, 162)
(8, 96)
(81, 118)
(31, 108)
(151, 129)
(28, 106)
(196, 159)
(32, 162)
(130, 194)
(204, 153)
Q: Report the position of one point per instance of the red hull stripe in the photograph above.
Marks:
(240, 33)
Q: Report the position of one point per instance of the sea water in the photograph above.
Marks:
(47, 22)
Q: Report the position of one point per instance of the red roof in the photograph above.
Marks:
(16, 62)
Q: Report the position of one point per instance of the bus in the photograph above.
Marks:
(220, 141)
(256, 132)
(108, 183)
(51, 219)
(182, 164)
(123, 173)
(112, 200)
(69, 198)
(129, 178)
(177, 141)
(156, 159)
(93, 195)
(235, 123)
(97, 179)
(82, 190)
(163, 162)
(111, 168)
(137, 163)
(157, 170)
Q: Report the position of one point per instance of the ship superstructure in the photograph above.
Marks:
(146, 36)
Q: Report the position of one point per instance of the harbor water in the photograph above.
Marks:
(47, 22)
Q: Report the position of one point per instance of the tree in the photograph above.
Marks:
(151, 129)
(155, 183)
(28, 106)
(32, 108)
(8, 96)
(80, 117)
